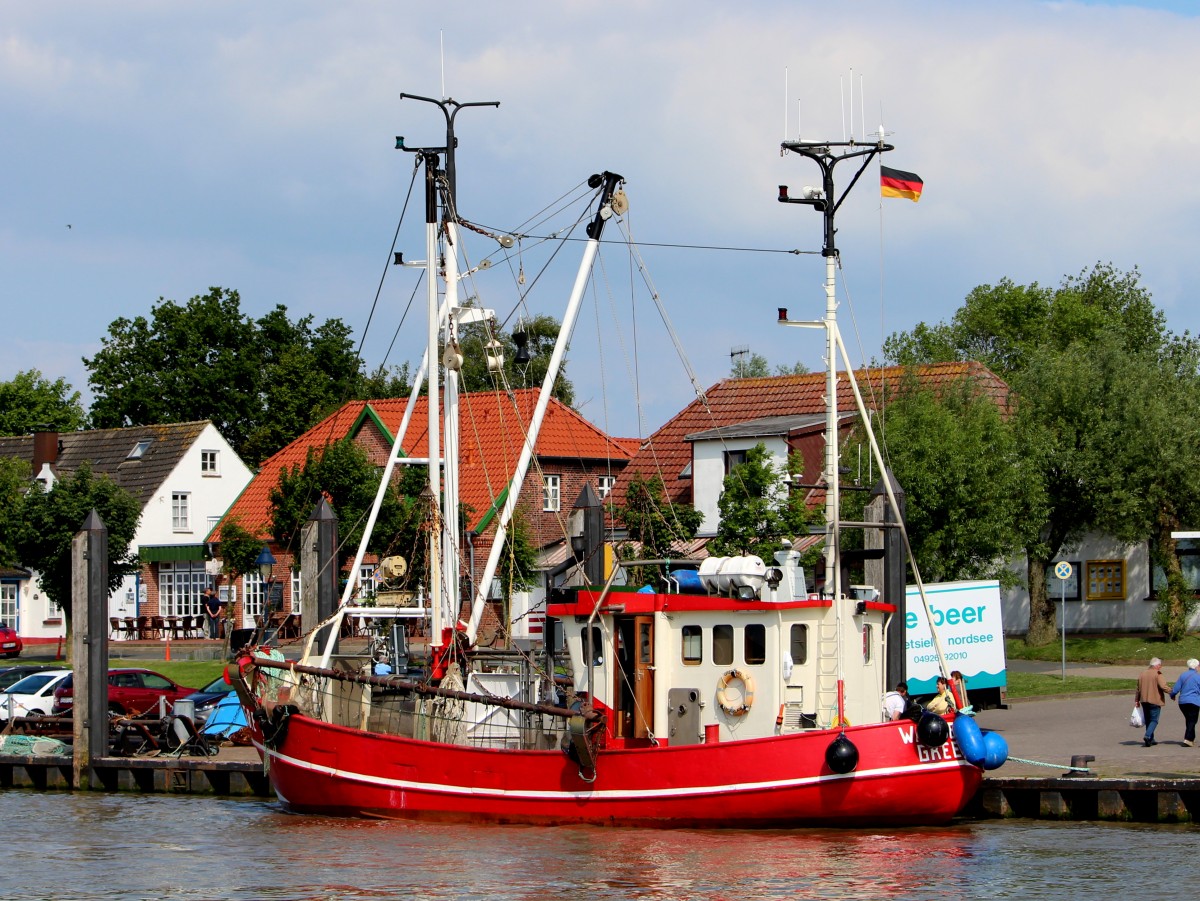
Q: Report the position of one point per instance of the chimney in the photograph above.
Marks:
(45, 449)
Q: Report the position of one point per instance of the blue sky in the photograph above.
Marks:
(249, 146)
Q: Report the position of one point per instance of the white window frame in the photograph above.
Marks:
(210, 463)
(368, 580)
(604, 485)
(297, 585)
(254, 598)
(181, 518)
(551, 493)
(180, 585)
(10, 604)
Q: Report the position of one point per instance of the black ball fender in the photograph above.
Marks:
(841, 755)
(932, 730)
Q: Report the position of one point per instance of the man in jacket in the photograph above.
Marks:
(1151, 695)
(1187, 689)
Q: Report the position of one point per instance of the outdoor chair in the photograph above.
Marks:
(158, 625)
(114, 627)
(145, 628)
(129, 628)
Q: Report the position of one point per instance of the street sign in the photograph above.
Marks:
(1062, 569)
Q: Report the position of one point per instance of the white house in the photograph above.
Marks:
(184, 475)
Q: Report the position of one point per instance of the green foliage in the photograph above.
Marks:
(757, 509)
(385, 382)
(260, 382)
(964, 479)
(14, 482)
(654, 522)
(756, 366)
(517, 568)
(239, 549)
(342, 472)
(50, 520)
(30, 402)
(1174, 606)
(541, 333)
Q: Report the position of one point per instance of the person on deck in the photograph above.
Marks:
(895, 702)
(942, 701)
(1151, 695)
(1187, 689)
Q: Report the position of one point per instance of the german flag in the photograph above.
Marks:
(898, 183)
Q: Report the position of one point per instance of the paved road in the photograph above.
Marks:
(1052, 730)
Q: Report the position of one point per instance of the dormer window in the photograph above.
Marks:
(139, 450)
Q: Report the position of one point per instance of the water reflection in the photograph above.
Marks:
(80, 846)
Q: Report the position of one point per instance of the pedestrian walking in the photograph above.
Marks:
(1187, 690)
(1151, 695)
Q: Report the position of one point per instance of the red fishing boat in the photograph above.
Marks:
(728, 693)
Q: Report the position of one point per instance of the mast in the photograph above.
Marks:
(827, 154)
(606, 207)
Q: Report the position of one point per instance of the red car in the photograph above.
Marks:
(130, 691)
(10, 641)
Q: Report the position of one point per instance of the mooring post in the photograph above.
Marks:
(89, 645)
(319, 569)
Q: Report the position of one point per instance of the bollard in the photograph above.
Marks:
(1079, 762)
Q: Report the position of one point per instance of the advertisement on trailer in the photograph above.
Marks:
(966, 616)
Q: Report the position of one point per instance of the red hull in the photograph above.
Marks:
(770, 782)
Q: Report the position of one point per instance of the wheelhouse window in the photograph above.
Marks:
(180, 514)
(1105, 580)
(551, 494)
(868, 637)
(798, 646)
(693, 646)
(722, 645)
(597, 645)
(754, 644)
(209, 463)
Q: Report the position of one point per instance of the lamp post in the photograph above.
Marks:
(266, 566)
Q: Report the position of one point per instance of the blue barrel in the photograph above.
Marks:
(996, 750)
(970, 740)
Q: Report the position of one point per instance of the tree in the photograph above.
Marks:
(541, 332)
(239, 549)
(14, 482)
(30, 402)
(966, 486)
(261, 383)
(756, 366)
(1065, 352)
(757, 509)
(652, 521)
(51, 519)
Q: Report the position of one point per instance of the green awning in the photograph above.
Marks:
(169, 553)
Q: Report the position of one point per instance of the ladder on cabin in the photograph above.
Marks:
(827, 674)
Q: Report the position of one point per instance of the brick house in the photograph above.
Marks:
(184, 475)
(570, 452)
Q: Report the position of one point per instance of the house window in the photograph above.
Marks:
(693, 648)
(208, 463)
(722, 645)
(179, 511)
(368, 582)
(1106, 580)
(551, 494)
(604, 485)
(734, 458)
(296, 585)
(179, 587)
(139, 450)
(254, 597)
(754, 644)
(8, 605)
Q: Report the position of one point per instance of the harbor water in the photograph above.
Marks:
(105, 846)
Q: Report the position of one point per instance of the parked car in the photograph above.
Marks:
(10, 642)
(10, 675)
(33, 695)
(207, 698)
(130, 691)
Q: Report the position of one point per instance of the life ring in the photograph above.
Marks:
(747, 692)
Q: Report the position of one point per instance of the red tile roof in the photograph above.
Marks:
(492, 429)
(732, 401)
